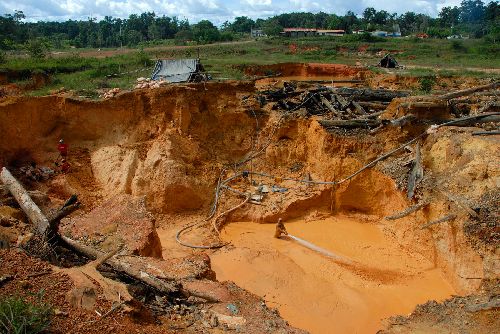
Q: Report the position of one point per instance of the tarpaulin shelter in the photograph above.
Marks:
(179, 70)
(388, 61)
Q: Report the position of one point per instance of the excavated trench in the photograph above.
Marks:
(169, 146)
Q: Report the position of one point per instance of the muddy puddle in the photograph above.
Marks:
(318, 294)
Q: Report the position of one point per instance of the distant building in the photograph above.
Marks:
(358, 32)
(257, 33)
(379, 33)
(394, 34)
(321, 32)
(299, 32)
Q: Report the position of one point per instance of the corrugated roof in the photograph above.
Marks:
(339, 31)
(299, 29)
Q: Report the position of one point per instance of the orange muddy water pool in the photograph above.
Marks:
(315, 293)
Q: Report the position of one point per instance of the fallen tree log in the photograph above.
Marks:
(138, 270)
(424, 104)
(328, 104)
(438, 221)
(366, 94)
(60, 214)
(486, 133)
(342, 101)
(373, 105)
(29, 207)
(360, 110)
(408, 211)
(119, 266)
(416, 173)
(478, 119)
(469, 91)
(373, 115)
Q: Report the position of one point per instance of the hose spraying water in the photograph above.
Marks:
(311, 246)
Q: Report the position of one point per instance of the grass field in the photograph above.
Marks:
(85, 70)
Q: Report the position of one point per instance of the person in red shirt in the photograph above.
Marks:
(61, 161)
(62, 147)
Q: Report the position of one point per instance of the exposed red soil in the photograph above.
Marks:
(54, 287)
(305, 70)
(170, 144)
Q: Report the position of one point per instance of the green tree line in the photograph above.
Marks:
(472, 17)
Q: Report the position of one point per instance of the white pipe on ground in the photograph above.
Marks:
(335, 257)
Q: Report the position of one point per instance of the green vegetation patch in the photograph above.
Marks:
(20, 317)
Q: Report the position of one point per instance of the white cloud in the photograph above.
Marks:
(217, 11)
(257, 3)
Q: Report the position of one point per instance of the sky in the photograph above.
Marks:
(216, 11)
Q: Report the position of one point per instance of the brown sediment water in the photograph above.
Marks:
(313, 291)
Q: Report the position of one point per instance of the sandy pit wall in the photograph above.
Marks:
(157, 143)
(169, 145)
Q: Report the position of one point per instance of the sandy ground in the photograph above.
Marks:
(169, 145)
(312, 290)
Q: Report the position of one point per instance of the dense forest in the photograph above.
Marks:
(473, 18)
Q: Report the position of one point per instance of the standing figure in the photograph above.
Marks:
(62, 147)
(280, 229)
(61, 160)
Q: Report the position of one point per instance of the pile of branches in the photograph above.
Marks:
(359, 108)
(341, 103)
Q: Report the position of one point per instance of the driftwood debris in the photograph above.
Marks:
(408, 211)
(366, 94)
(438, 221)
(338, 103)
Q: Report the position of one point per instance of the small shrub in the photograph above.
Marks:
(364, 37)
(426, 83)
(105, 69)
(20, 317)
(458, 46)
(329, 53)
(36, 48)
(103, 84)
(142, 58)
